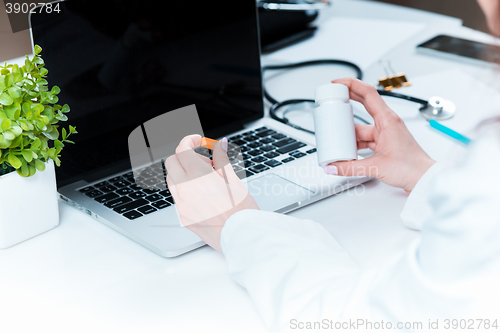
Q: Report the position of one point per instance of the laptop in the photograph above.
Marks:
(122, 63)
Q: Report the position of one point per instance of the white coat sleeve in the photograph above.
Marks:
(291, 268)
(417, 208)
(452, 270)
(294, 269)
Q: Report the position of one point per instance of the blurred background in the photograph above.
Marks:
(467, 10)
(15, 45)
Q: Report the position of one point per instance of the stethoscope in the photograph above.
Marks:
(298, 5)
(436, 108)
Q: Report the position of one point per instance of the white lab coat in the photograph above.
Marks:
(295, 270)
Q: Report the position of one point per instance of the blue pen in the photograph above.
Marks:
(448, 131)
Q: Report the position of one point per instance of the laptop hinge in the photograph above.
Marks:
(225, 130)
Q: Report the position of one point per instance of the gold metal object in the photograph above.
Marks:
(392, 80)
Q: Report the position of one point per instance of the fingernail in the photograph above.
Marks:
(224, 144)
(331, 170)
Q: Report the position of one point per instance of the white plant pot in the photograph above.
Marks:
(28, 206)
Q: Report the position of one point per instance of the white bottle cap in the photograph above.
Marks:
(332, 91)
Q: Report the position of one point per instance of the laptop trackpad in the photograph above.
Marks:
(272, 192)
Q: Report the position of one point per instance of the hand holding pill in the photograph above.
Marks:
(205, 195)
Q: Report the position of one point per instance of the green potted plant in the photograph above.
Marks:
(31, 141)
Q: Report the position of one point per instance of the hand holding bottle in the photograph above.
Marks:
(398, 159)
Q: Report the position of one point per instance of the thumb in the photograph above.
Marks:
(219, 157)
(367, 167)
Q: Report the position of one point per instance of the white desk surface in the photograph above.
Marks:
(83, 276)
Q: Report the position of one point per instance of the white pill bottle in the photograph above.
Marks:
(334, 125)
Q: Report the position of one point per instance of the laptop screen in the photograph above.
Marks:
(120, 63)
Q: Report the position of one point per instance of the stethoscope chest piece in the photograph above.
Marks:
(438, 108)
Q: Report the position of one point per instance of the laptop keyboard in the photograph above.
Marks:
(261, 149)
(264, 148)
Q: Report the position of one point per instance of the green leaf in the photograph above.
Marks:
(39, 165)
(13, 111)
(29, 115)
(17, 130)
(49, 114)
(9, 135)
(30, 125)
(6, 123)
(54, 99)
(57, 161)
(53, 134)
(37, 60)
(59, 146)
(27, 155)
(26, 106)
(44, 71)
(24, 125)
(69, 141)
(72, 129)
(64, 134)
(3, 82)
(27, 65)
(25, 172)
(61, 117)
(36, 143)
(18, 76)
(5, 99)
(28, 81)
(10, 80)
(38, 108)
(33, 94)
(4, 71)
(16, 143)
(14, 92)
(42, 82)
(55, 90)
(4, 143)
(40, 124)
(45, 119)
(30, 135)
(32, 170)
(14, 161)
(65, 108)
(48, 111)
(38, 49)
(52, 153)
